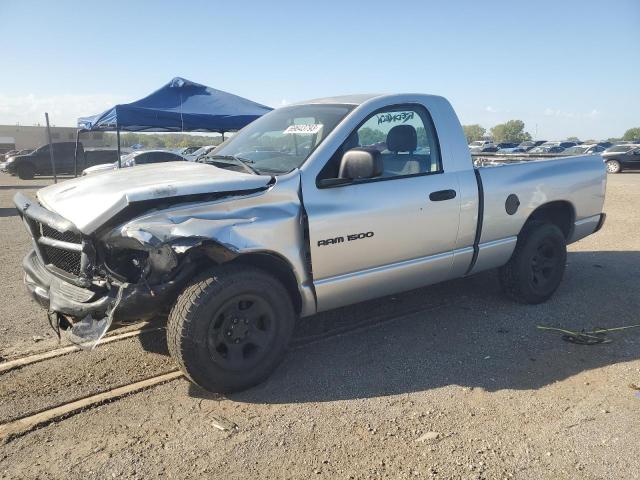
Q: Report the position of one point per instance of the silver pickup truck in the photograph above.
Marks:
(311, 207)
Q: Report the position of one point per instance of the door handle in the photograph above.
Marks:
(441, 195)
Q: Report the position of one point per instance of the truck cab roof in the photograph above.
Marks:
(356, 98)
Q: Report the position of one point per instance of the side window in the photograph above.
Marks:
(405, 137)
(143, 158)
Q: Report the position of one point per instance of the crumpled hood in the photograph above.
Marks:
(88, 202)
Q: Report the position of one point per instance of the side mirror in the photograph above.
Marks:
(357, 163)
(360, 162)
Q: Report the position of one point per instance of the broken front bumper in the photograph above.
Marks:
(57, 295)
(82, 315)
(126, 302)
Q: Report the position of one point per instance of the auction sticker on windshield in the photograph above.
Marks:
(308, 128)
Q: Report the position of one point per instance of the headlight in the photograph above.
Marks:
(134, 253)
(10, 159)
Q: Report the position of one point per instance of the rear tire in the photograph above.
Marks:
(537, 265)
(26, 171)
(230, 328)
(613, 166)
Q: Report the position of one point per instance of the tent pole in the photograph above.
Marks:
(75, 155)
(118, 137)
(223, 135)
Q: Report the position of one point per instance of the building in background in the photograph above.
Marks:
(19, 137)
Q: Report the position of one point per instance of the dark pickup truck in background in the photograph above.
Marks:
(38, 162)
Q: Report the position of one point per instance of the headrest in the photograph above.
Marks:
(402, 138)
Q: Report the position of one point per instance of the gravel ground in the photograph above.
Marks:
(450, 381)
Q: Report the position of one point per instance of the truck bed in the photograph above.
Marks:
(570, 180)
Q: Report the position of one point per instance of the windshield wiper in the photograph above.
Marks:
(242, 161)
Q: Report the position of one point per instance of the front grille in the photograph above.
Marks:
(66, 260)
(64, 251)
(47, 231)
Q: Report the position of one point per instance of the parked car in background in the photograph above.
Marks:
(584, 149)
(137, 158)
(503, 145)
(38, 162)
(199, 153)
(187, 150)
(482, 146)
(9, 153)
(621, 157)
(552, 147)
(522, 147)
(98, 156)
(528, 145)
(12, 153)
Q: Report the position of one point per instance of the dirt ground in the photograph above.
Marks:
(450, 381)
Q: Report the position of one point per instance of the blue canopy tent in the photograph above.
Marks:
(179, 106)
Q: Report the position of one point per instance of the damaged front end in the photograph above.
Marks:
(135, 264)
(87, 285)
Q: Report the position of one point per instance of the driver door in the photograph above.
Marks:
(392, 233)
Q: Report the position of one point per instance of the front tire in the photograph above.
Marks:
(613, 166)
(230, 328)
(537, 265)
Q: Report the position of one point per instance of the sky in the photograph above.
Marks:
(564, 67)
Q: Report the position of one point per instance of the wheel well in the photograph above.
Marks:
(559, 213)
(279, 268)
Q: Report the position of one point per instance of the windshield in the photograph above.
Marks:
(283, 139)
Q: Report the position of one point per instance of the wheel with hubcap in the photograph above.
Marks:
(613, 166)
(537, 265)
(230, 328)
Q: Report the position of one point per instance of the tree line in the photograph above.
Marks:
(514, 131)
(163, 140)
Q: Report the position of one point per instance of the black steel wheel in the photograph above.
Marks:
(241, 331)
(544, 263)
(230, 328)
(537, 265)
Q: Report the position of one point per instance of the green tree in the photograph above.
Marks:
(632, 134)
(573, 139)
(473, 132)
(369, 136)
(511, 131)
